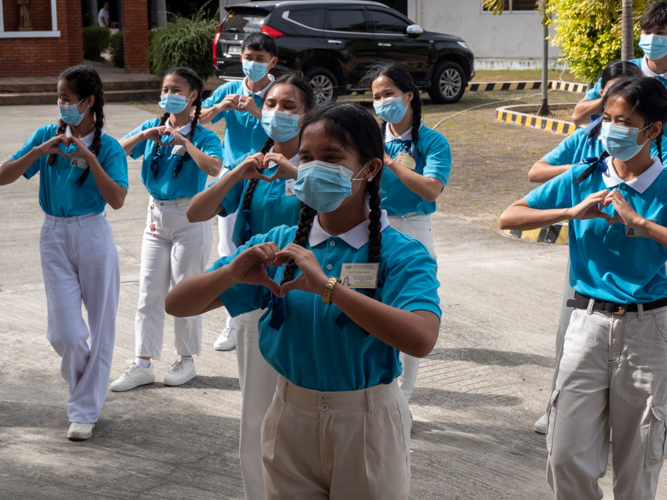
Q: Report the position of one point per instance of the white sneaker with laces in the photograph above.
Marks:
(541, 425)
(180, 373)
(79, 432)
(226, 341)
(133, 376)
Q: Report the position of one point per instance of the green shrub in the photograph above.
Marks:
(185, 42)
(117, 50)
(95, 41)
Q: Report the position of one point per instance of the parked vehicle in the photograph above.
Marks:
(334, 42)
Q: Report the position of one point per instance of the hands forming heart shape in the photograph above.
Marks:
(250, 267)
(253, 165)
(592, 206)
(52, 146)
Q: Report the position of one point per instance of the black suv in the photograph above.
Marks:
(333, 43)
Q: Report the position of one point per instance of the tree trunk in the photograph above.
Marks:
(628, 40)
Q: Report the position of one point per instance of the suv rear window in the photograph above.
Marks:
(313, 18)
(346, 20)
(385, 22)
(239, 22)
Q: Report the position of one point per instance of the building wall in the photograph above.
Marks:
(512, 35)
(44, 56)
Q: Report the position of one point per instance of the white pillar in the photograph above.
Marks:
(161, 13)
(92, 12)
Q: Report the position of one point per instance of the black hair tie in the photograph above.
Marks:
(593, 163)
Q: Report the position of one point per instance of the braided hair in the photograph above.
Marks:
(357, 131)
(402, 79)
(614, 71)
(648, 97)
(307, 98)
(84, 82)
(195, 83)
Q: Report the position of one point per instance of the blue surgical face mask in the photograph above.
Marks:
(391, 110)
(69, 113)
(280, 126)
(654, 46)
(173, 103)
(324, 186)
(621, 141)
(255, 70)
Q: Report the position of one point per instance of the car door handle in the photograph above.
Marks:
(334, 41)
(384, 44)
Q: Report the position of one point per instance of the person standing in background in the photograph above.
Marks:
(103, 16)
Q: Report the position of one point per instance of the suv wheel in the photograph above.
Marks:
(448, 83)
(323, 83)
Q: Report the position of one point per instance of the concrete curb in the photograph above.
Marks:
(556, 234)
(578, 88)
(509, 114)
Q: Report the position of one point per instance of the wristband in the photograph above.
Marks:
(326, 295)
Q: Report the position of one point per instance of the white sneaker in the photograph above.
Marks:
(226, 341)
(541, 425)
(133, 376)
(180, 372)
(79, 432)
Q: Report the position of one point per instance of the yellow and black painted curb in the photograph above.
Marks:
(553, 85)
(555, 234)
(505, 114)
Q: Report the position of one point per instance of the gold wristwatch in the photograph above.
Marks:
(326, 295)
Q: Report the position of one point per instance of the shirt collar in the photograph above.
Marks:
(639, 184)
(406, 136)
(86, 139)
(184, 130)
(261, 93)
(294, 160)
(356, 237)
(647, 71)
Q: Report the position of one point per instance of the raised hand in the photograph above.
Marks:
(250, 266)
(312, 279)
(81, 150)
(176, 137)
(591, 207)
(625, 214)
(247, 103)
(285, 169)
(250, 168)
(155, 134)
(230, 102)
(52, 146)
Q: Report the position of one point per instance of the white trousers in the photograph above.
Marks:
(337, 445)
(563, 322)
(80, 264)
(258, 385)
(419, 227)
(225, 245)
(172, 249)
(613, 373)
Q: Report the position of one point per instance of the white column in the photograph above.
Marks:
(92, 12)
(161, 13)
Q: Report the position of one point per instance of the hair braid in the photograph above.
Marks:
(61, 130)
(375, 225)
(98, 109)
(416, 116)
(252, 183)
(300, 238)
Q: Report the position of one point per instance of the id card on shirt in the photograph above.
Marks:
(78, 162)
(633, 232)
(360, 275)
(179, 150)
(288, 187)
(406, 160)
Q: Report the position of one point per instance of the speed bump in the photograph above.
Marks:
(507, 115)
(552, 84)
(556, 234)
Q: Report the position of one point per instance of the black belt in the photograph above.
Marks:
(581, 302)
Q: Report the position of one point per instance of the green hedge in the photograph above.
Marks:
(185, 42)
(117, 49)
(95, 41)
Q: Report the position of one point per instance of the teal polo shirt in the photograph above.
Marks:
(310, 349)
(191, 179)
(605, 263)
(575, 147)
(59, 194)
(433, 158)
(244, 134)
(271, 205)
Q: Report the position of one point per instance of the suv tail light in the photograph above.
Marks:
(215, 44)
(272, 32)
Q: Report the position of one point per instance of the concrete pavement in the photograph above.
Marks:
(477, 396)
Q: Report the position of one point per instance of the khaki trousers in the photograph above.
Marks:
(337, 445)
(613, 372)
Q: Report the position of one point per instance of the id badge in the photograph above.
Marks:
(288, 187)
(179, 150)
(406, 160)
(78, 162)
(360, 275)
(633, 232)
